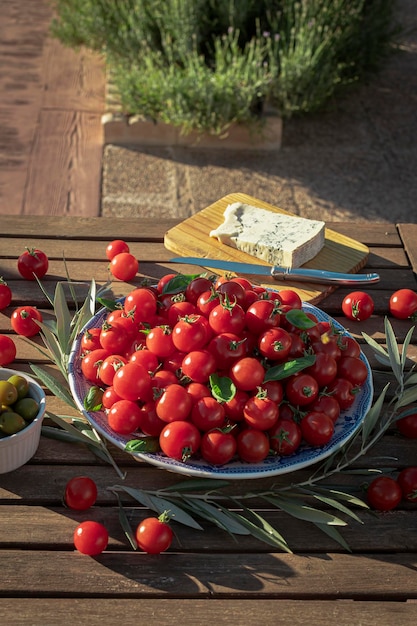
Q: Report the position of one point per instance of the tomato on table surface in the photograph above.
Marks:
(403, 304)
(384, 493)
(32, 264)
(154, 535)
(91, 538)
(80, 493)
(358, 306)
(407, 479)
(5, 294)
(23, 321)
(116, 247)
(7, 350)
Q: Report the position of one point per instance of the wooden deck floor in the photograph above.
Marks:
(51, 102)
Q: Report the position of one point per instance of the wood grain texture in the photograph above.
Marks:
(50, 118)
(192, 238)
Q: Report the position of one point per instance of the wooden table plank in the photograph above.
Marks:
(408, 233)
(95, 612)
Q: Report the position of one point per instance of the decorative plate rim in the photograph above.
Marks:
(346, 425)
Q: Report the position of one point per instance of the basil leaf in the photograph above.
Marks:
(299, 319)
(179, 283)
(222, 388)
(143, 444)
(279, 372)
(92, 401)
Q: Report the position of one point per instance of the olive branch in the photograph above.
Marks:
(193, 500)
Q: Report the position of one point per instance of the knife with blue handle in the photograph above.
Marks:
(282, 273)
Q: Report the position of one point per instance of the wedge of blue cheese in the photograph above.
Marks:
(277, 238)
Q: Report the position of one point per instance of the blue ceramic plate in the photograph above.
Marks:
(347, 424)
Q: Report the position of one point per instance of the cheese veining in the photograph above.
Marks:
(277, 238)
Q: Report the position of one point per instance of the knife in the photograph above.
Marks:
(282, 273)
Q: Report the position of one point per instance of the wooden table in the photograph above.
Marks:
(205, 576)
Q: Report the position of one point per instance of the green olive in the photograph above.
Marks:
(27, 407)
(21, 385)
(11, 422)
(8, 393)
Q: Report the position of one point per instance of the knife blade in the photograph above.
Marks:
(282, 273)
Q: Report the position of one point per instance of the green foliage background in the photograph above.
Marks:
(203, 64)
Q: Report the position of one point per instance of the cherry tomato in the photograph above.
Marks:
(247, 373)
(150, 423)
(275, 344)
(227, 318)
(403, 304)
(190, 333)
(180, 440)
(91, 363)
(324, 369)
(114, 338)
(407, 479)
(196, 287)
(234, 407)
(159, 341)
(218, 447)
(154, 535)
(7, 350)
(207, 414)
(290, 298)
(285, 437)
(124, 417)
(233, 291)
(408, 425)
(261, 315)
(348, 346)
(91, 538)
(384, 493)
(90, 340)
(260, 412)
(116, 247)
(109, 366)
(227, 348)
(317, 428)
(198, 365)
(301, 389)
(358, 306)
(32, 264)
(5, 294)
(124, 266)
(141, 304)
(174, 404)
(353, 369)
(252, 445)
(23, 321)
(326, 404)
(344, 391)
(133, 382)
(80, 493)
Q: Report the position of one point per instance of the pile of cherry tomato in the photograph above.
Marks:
(221, 368)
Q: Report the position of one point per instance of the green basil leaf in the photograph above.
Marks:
(179, 283)
(143, 444)
(299, 319)
(279, 372)
(93, 399)
(111, 305)
(222, 388)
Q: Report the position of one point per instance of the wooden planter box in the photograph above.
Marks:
(124, 130)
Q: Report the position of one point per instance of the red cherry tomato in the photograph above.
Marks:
(154, 535)
(247, 373)
(5, 294)
(285, 437)
(124, 266)
(116, 247)
(91, 538)
(317, 428)
(301, 389)
(407, 479)
(23, 321)
(180, 440)
(408, 425)
(218, 447)
(252, 445)
(358, 306)
(80, 493)
(32, 264)
(260, 412)
(7, 350)
(403, 304)
(124, 417)
(174, 404)
(384, 493)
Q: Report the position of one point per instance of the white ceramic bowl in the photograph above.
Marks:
(17, 449)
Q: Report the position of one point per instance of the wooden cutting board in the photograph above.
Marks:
(191, 238)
